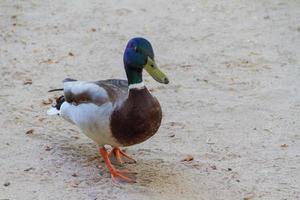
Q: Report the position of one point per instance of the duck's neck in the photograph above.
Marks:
(135, 78)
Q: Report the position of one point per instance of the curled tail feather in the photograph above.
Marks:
(55, 110)
(54, 90)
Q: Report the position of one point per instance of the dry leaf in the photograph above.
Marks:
(27, 81)
(49, 61)
(186, 66)
(249, 197)
(71, 54)
(28, 169)
(6, 184)
(197, 165)
(172, 123)
(75, 184)
(93, 29)
(47, 102)
(75, 137)
(188, 158)
(41, 119)
(267, 130)
(48, 148)
(30, 131)
(213, 167)
(284, 145)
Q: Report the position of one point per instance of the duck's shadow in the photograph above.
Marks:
(151, 173)
(155, 172)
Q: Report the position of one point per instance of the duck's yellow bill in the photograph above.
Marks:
(153, 70)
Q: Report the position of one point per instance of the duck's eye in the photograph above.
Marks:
(135, 49)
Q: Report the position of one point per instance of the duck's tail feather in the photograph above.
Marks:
(55, 110)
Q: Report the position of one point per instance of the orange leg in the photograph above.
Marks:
(118, 153)
(115, 174)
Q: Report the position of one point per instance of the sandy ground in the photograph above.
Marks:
(233, 102)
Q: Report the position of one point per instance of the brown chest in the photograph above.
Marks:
(137, 119)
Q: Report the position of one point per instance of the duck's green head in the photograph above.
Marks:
(139, 55)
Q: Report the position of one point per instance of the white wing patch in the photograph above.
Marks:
(77, 88)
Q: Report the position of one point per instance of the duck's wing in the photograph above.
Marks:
(122, 84)
(99, 92)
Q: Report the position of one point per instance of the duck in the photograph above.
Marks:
(115, 112)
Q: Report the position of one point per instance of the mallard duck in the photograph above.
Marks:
(115, 112)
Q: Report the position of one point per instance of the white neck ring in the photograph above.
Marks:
(138, 86)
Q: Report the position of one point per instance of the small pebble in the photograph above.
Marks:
(99, 167)
(47, 102)
(6, 184)
(187, 158)
(27, 81)
(29, 132)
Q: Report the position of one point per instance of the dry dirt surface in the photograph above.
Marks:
(231, 110)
